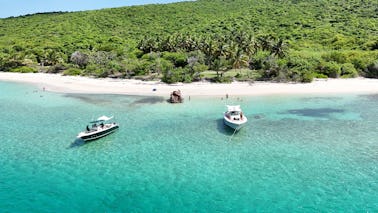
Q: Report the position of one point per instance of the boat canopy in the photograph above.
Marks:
(234, 108)
(102, 118)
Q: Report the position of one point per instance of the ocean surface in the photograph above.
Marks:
(312, 153)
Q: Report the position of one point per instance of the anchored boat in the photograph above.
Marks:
(98, 128)
(234, 117)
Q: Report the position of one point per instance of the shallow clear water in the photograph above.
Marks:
(297, 154)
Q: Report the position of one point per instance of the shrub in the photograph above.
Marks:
(297, 62)
(319, 75)
(142, 67)
(152, 56)
(196, 76)
(294, 74)
(258, 60)
(331, 69)
(339, 41)
(222, 79)
(90, 69)
(130, 65)
(335, 56)
(56, 68)
(178, 59)
(198, 55)
(134, 67)
(160, 65)
(136, 53)
(372, 70)
(24, 69)
(184, 75)
(307, 77)
(303, 61)
(200, 67)
(174, 75)
(114, 66)
(372, 45)
(103, 73)
(362, 59)
(72, 71)
(96, 71)
(187, 78)
(7, 65)
(282, 76)
(348, 71)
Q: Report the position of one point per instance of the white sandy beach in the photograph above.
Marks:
(76, 84)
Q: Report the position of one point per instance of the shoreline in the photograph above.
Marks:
(86, 85)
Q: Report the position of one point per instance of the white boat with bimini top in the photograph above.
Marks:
(99, 128)
(234, 117)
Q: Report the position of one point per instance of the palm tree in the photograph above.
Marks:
(52, 57)
(167, 44)
(238, 57)
(220, 66)
(250, 46)
(207, 47)
(265, 42)
(279, 49)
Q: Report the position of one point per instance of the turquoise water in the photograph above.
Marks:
(297, 154)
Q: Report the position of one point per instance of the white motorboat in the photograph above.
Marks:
(99, 128)
(234, 117)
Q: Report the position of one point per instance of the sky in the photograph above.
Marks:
(22, 7)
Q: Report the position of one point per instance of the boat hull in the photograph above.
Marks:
(236, 125)
(98, 134)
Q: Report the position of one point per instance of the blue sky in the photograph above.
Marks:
(22, 7)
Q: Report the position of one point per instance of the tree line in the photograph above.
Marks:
(218, 40)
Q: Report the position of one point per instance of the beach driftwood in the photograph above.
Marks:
(176, 97)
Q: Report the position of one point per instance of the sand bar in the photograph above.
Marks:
(78, 84)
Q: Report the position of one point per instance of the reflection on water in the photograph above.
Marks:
(373, 97)
(109, 99)
(314, 112)
(320, 98)
(93, 99)
(148, 100)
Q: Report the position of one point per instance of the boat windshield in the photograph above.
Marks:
(102, 119)
(233, 108)
(234, 113)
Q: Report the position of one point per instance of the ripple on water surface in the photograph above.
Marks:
(312, 154)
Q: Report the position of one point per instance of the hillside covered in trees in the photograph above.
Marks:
(218, 40)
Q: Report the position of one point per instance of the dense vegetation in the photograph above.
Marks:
(281, 40)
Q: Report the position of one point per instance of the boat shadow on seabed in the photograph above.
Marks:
(77, 143)
(222, 128)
